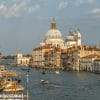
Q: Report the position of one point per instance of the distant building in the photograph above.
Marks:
(46, 56)
(22, 60)
(96, 65)
(74, 55)
(53, 58)
(87, 62)
(38, 53)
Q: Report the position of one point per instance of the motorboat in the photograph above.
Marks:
(12, 86)
(26, 69)
(97, 72)
(44, 81)
(43, 72)
(57, 72)
(1, 88)
(16, 88)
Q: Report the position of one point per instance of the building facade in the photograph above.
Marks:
(53, 58)
(74, 55)
(38, 53)
(22, 60)
(96, 65)
(88, 63)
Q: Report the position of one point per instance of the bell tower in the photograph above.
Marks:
(19, 55)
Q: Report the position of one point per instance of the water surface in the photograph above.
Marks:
(65, 86)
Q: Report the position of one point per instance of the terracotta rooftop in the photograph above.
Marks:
(83, 47)
(92, 56)
(42, 47)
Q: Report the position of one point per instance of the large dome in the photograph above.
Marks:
(53, 36)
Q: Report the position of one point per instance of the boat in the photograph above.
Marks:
(2, 67)
(13, 64)
(43, 72)
(97, 72)
(17, 88)
(26, 69)
(12, 86)
(44, 81)
(57, 72)
(1, 88)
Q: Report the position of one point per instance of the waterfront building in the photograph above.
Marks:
(22, 60)
(87, 62)
(53, 58)
(46, 56)
(96, 65)
(64, 59)
(38, 55)
(49, 61)
(74, 54)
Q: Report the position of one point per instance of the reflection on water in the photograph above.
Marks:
(65, 86)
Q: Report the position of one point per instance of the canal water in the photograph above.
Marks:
(63, 86)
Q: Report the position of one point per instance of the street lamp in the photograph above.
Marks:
(27, 84)
(27, 76)
(27, 81)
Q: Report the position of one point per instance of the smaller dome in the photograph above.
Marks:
(70, 37)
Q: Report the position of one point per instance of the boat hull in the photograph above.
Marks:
(12, 89)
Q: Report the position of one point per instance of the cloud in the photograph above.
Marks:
(17, 8)
(95, 11)
(79, 2)
(34, 8)
(62, 5)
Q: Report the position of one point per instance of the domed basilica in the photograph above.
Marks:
(53, 36)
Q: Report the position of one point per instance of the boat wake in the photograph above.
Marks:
(57, 85)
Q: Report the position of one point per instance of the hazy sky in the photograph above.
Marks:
(24, 23)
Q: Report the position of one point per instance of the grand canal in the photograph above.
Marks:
(64, 86)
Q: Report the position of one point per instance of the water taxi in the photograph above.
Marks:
(11, 86)
(57, 72)
(44, 81)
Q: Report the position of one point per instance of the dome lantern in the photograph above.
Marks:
(53, 24)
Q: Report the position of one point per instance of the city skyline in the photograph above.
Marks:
(24, 23)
